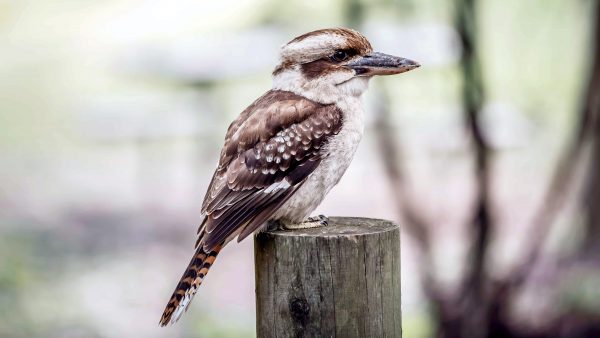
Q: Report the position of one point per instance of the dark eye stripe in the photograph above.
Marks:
(343, 54)
(339, 56)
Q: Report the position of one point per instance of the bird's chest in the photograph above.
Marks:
(337, 155)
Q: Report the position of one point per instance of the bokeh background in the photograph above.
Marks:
(112, 115)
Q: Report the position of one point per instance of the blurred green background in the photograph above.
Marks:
(112, 115)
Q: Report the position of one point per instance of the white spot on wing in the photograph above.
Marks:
(283, 184)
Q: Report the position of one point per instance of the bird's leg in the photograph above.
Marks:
(311, 222)
(275, 225)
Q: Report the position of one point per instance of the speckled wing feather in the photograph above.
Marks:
(269, 151)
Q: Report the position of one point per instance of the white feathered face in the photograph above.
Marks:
(336, 57)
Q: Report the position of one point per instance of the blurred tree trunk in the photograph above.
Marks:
(354, 13)
(469, 313)
(591, 245)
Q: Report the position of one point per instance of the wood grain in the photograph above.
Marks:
(342, 280)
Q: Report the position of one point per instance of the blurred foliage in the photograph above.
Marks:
(112, 115)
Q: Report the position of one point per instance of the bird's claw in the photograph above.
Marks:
(321, 219)
(311, 222)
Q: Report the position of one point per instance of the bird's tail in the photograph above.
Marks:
(188, 284)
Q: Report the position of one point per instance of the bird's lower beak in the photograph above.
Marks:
(381, 64)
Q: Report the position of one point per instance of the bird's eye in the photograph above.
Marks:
(339, 56)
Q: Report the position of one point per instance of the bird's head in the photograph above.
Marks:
(329, 63)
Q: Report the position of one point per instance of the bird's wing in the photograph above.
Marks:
(269, 151)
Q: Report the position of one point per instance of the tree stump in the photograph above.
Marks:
(342, 280)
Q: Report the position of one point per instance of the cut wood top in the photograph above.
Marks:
(342, 226)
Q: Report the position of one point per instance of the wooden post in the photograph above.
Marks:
(342, 280)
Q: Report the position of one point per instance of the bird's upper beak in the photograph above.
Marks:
(381, 64)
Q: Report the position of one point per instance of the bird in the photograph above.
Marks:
(284, 153)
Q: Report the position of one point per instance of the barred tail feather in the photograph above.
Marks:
(188, 285)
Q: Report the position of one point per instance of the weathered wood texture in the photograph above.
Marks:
(342, 280)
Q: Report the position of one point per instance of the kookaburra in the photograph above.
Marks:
(286, 151)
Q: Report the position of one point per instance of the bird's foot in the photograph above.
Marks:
(321, 219)
(311, 222)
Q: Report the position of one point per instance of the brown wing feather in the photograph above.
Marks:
(269, 151)
(267, 115)
(277, 138)
(259, 219)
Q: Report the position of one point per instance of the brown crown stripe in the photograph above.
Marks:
(355, 39)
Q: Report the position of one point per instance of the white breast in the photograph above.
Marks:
(339, 153)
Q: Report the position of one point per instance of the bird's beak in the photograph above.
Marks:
(381, 64)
